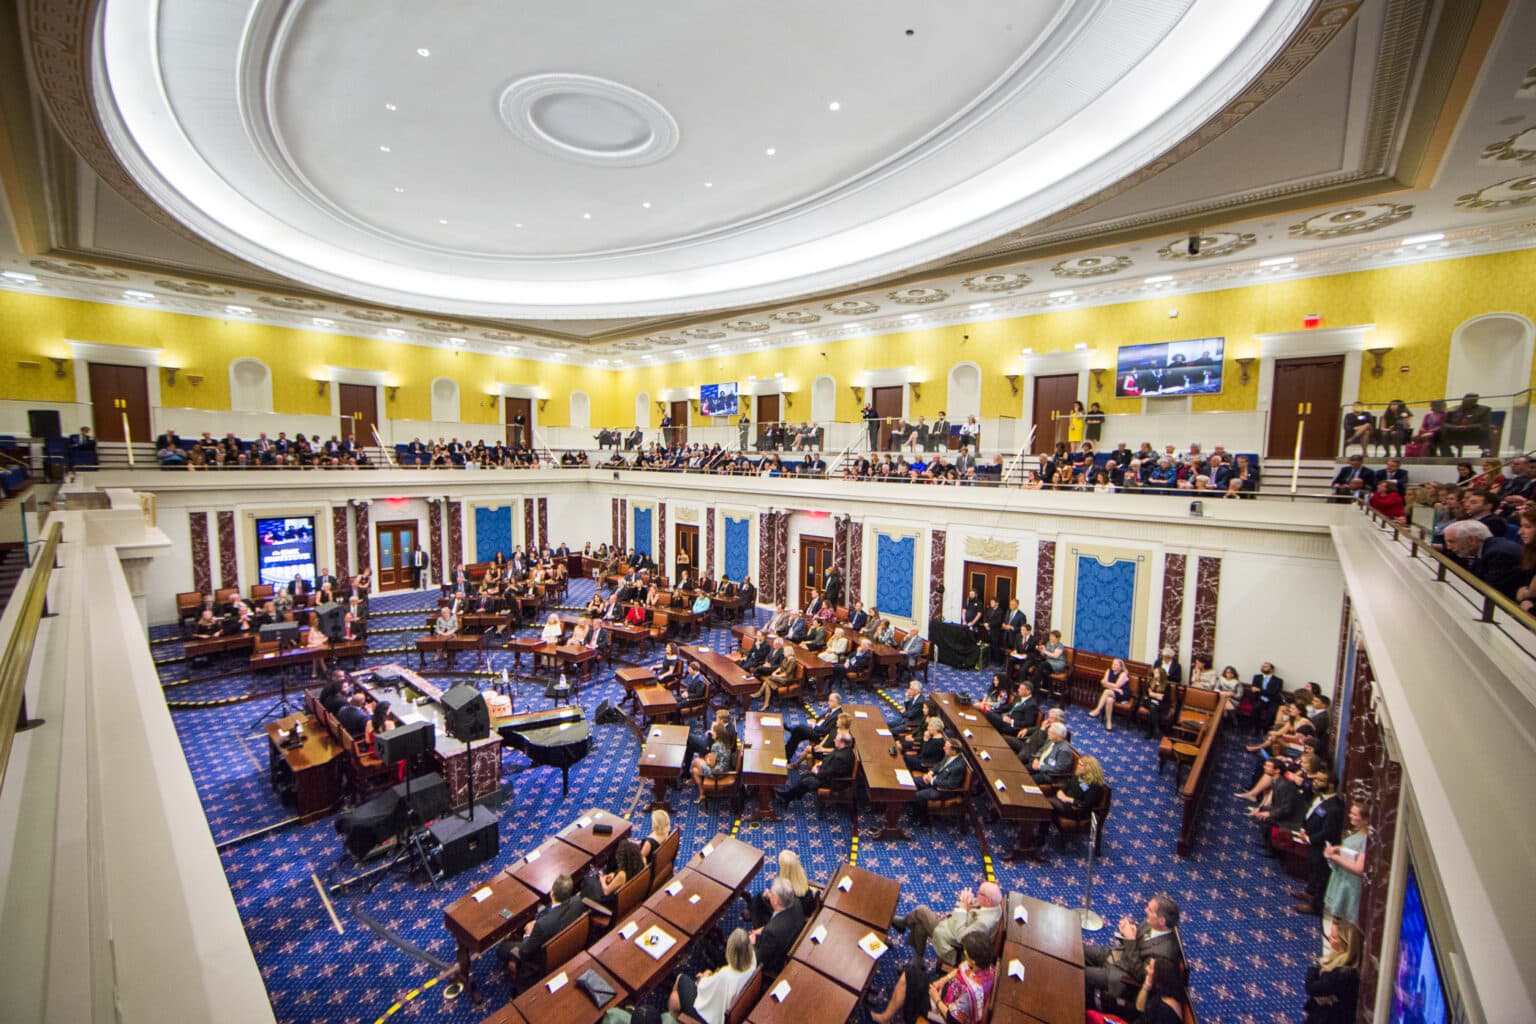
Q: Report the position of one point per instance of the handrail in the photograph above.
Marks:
(1450, 400)
(1417, 543)
(17, 660)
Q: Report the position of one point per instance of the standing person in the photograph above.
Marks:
(1093, 424)
(938, 434)
(1333, 982)
(872, 425)
(743, 430)
(519, 425)
(1076, 424)
(1346, 861)
(419, 561)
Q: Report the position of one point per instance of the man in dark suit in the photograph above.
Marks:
(1322, 826)
(911, 720)
(943, 782)
(326, 576)
(1395, 472)
(1266, 691)
(1031, 742)
(298, 587)
(771, 660)
(838, 764)
(938, 434)
(798, 630)
(419, 562)
(353, 715)
(860, 661)
(564, 908)
(992, 620)
(1055, 760)
(774, 939)
(1353, 480)
(693, 684)
(1018, 716)
(858, 618)
(832, 587)
(1013, 624)
(1494, 560)
(1119, 971)
(816, 731)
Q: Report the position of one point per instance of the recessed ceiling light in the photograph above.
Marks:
(780, 375)
(1423, 239)
(677, 351)
(1158, 279)
(395, 332)
(754, 341)
(19, 277)
(709, 184)
(1063, 294)
(602, 362)
(911, 316)
(399, 189)
(834, 106)
(456, 341)
(1278, 261)
(855, 327)
(981, 305)
(238, 310)
(770, 151)
(142, 296)
(321, 321)
(390, 106)
(423, 52)
(509, 349)
(1026, 351)
(646, 205)
(646, 356)
(558, 355)
(1081, 346)
(518, 225)
(384, 149)
(799, 334)
(586, 216)
(714, 348)
(442, 220)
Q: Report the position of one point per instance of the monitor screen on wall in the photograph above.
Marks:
(1169, 369)
(1418, 990)
(718, 399)
(285, 548)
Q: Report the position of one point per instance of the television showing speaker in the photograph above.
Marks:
(1170, 369)
(719, 399)
(285, 548)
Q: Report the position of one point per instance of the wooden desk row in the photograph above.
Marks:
(1008, 784)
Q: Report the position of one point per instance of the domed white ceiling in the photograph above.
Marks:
(596, 159)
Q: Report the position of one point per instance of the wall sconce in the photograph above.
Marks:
(1013, 380)
(393, 391)
(542, 403)
(693, 403)
(488, 402)
(661, 407)
(170, 374)
(28, 364)
(858, 393)
(58, 366)
(789, 399)
(1098, 377)
(917, 391)
(1377, 353)
(321, 385)
(195, 379)
(1243, 364)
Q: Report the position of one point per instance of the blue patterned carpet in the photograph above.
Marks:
(1247, 951)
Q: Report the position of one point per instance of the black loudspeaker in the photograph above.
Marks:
(465, 715)
(44, 423)
(368, 826)
(404, 743)
(465, 844)
(429, 795)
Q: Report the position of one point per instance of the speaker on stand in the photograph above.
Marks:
(1092, 920)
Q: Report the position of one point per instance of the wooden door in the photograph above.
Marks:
(887, 403)
(679, 435)
(1306, 391)
(687, 538)
(767, 418)
(359, 412)
(116, 391)
(519, 434)
(397, 543)
(1054, 396)
(989, 581)
(815, 563)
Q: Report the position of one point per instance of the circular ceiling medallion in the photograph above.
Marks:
(996, 282)
(1213, 245)
(704, 333)
(439, 325)
(851, 307)
(198, 288)
(1354, 221)
(917, 296)
(495, 335)
(1519, 146)
(589, 119)
(85, 270)
(374, 316)
(289, 302)
(794, 316)
(1505, 195)
(746, 326)
(1091, 266)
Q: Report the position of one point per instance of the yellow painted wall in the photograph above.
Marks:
(1415, 308)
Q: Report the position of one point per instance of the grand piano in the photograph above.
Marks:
(559, 738)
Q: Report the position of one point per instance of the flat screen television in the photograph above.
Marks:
(1418, 989)
(1169, 369)
(285, 548)
(718, 399)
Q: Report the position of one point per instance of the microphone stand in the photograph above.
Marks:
(1092, 920)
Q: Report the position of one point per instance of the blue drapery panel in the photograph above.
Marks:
(738, 547)
(1105, 606)
(895, 559)
(642, 531)
(493, 532)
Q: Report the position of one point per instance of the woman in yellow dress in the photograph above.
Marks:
(1075, 427)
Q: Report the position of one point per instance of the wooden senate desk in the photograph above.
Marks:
(657, 703)
(580, 834)
(1049, 928)
(886, 778)
(623, 951)
(661, 760)
(265, 657)
(728, 861)
(807, 995)
(496, 911)
(1051, 991)
(1015, 796)
(691, 901)
(764, 765)
(311, 772)
(831, 945)
(450, 646)
(866, 896)
(568, 1004)
(727, 676)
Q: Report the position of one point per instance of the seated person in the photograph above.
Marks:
(791, 868)
(944, 781)
(710, 995)
(553, 629)
(206, 625)
(564, 908)
(913, 710)
(602, 887)
(661, 829)
(721, 760)
(354, 715)
(774, 939)
(785, 669)
(1055, 759)
(693, 686)
(816, 731)
(335, 692)
(958, 996)
(930, 750)
(975, 913)
(835, 767)
(1118, 971)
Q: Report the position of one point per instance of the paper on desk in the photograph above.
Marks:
(656, 942)
(583, 822)
(481, 895)
(629, 929)
(969, 718)
(531, 856)
(694, 898)
(903, 776)
(882, 732)
(780, 991)
(1015, 969)
(1001, 785)
(872, 945)
(709, 848)
(986, 756)
(1033, 790)
(674, 888)
(820, 934)
(968, 734)
(772, 720)
(558, 982)
(1021, 914)
(780, 762)
(861, 714)
(846, 884)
